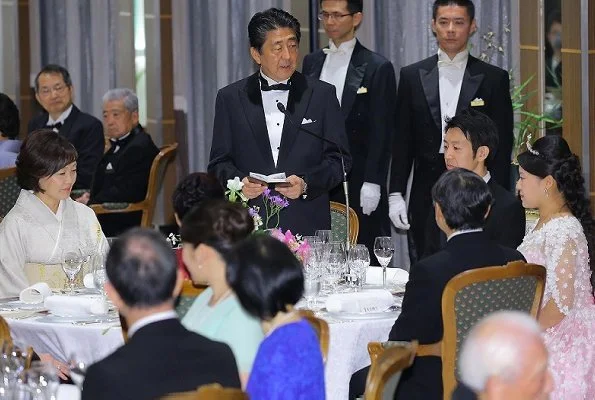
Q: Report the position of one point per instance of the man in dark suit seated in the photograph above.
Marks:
(461, 202)
(53, 90)
(9, 131)
(504, 358)
(123, 172)
(161, 356)
(470, 142)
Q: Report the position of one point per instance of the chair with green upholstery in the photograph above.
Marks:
(339, 223)
(9, 190)
(472, 295)
(189, 293)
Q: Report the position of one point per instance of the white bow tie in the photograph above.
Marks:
(336, 50)
(454, 64)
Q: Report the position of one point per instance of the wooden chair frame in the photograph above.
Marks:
(353, 220)
(212, 391)
(7, 343)
(386, 361)
(166, 155)
(447, 347)
(6, 172)
(322, 331)
(189, 289)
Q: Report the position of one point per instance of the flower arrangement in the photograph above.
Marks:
(296, 243)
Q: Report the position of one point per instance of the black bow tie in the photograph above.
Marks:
(265, 87)
(118, 142)
(56, 126)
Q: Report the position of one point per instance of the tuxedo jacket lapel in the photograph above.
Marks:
(471, 81)
(69, 122)
(297, 104)
(317, 63)
(430, 83)
(353, 80)
(251, 100)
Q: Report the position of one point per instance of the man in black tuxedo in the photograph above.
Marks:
(431, 90)
(161, 356)
(53, 90)
(123, 172)
(251, 134)
(470, 142)
(462, 201)
(366, 90)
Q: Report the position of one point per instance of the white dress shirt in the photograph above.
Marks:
(463, 231)
(61, 118)
(334, 69)
(450, 73)
(157, 317)
(273, 117)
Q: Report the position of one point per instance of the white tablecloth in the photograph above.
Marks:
(88, 343)
(348, 351)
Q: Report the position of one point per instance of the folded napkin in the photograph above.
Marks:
(35, 294)
(75, 306)
(361, 302)
(393, 276)
(88, 281)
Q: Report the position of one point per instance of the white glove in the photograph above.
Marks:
(397, 211)
(369, 197)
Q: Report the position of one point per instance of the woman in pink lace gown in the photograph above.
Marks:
(562, 241)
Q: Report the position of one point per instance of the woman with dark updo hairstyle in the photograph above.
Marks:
(208, 233)
(551, 181)
(45, 222)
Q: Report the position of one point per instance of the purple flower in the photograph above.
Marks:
(266, 193)
(252, 211)
(278, 201)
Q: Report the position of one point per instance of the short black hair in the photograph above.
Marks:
(54, 69)
(353, 6)
(468, 4)
(478, 128)
(269, 20)
(193, 190)
(217, 223)
(463, 197)
(9, 117)
(43, 153)
(142, 267)
(265, 276)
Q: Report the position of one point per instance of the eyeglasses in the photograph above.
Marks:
(323, 15)
(46, 91)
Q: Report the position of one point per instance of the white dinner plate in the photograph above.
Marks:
(19, 305)
(392, 312)
(60, 319)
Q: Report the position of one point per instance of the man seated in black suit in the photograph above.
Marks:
(504, 358)
(123, 173)
(461, 202)
(470, 142)
(161, 356)
(54, 91)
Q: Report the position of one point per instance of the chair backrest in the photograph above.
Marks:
(166, 155)
(320, 326)
(9, 190)
(212, 391)
(473, 294)
(7, 344)
(389, 359)
(187, 296)
(339, 223)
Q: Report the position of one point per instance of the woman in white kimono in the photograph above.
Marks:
(45, 222)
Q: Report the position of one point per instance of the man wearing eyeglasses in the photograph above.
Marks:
(54, 91)
(366, 90)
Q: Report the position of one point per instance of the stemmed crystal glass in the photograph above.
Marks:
(72, 261)
(359, 260)
(312, 273)
(324, 235)
(99, 277)
(384, 249)
(78, 370)
(337, 259)
(42, 380)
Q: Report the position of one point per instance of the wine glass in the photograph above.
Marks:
(324, 235)
(78, 370)
(42, 380)
(312, 274)
(336, 263)
(99, 277)
(384, 249)
(72, 262)
(359, 260)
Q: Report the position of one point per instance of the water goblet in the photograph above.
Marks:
(359, 260)
(324, 235)
(384, 249)
(72, 261)
(99, 277)
(336, 263)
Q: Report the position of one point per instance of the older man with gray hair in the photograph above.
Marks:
(504, 358)
(123, 173)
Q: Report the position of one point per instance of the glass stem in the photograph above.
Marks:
(384, 276)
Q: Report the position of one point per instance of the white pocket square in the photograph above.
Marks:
(307, 121)
(477, 102)
(362, 90)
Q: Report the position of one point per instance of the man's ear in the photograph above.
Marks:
(482, 153)
(255, 55)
